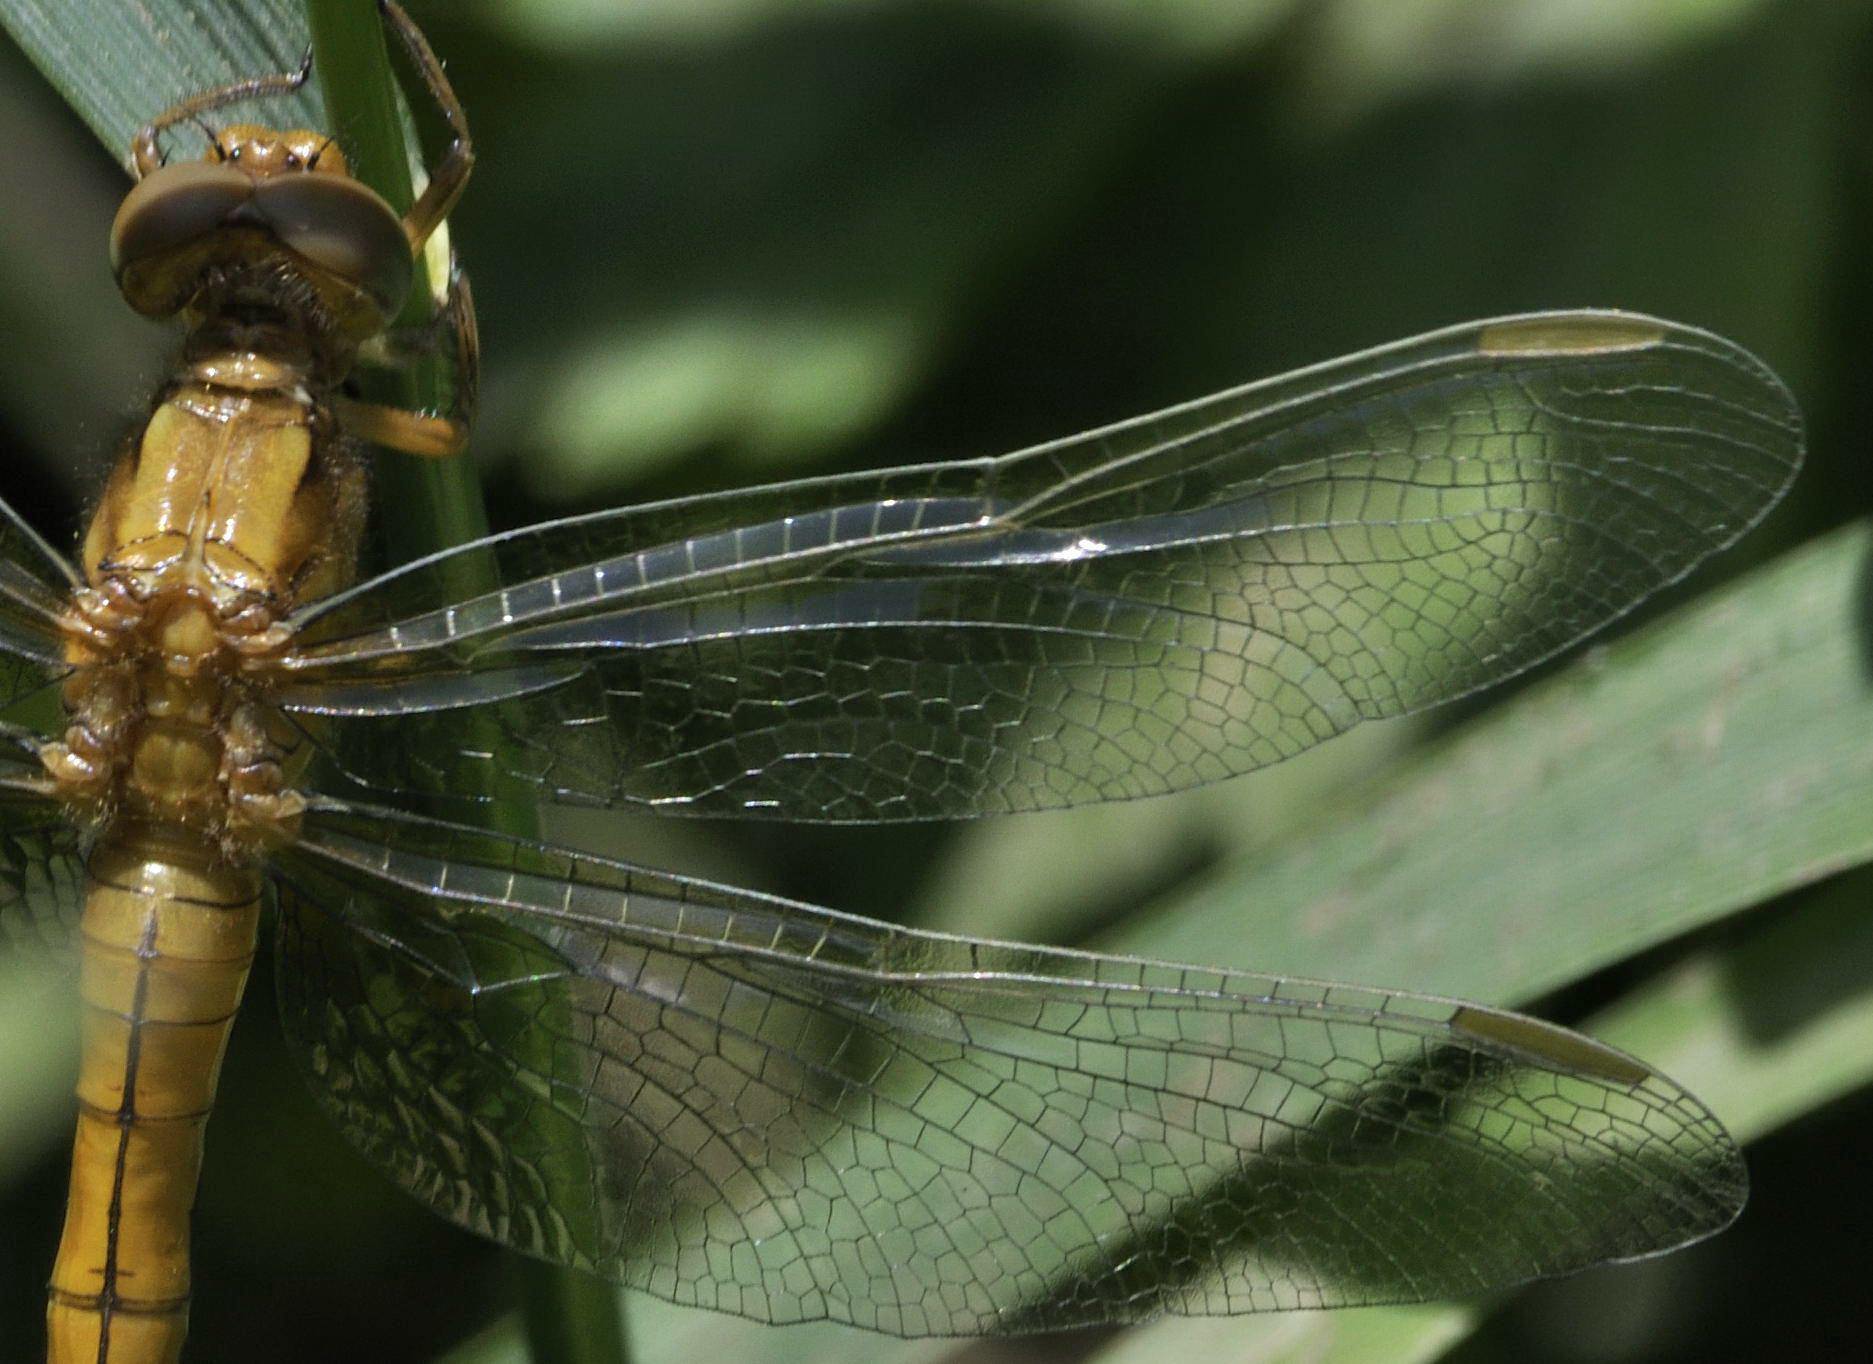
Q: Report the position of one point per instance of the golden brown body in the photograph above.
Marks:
(229, 507)
(238, 500)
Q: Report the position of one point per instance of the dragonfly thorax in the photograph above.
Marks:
(230, 493)
(234, 503)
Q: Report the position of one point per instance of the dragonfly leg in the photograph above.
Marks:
(402, 346)
(432, 434)
(398, 428)
(100, 695)
(103, 707)
(261, 806)
(146, 155)
(449, 176)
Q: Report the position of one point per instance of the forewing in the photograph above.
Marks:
(35, 584)
(1166, 602)
(771, 1109)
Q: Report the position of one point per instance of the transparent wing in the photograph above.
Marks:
(41, 855)
(1161, 603)
(41, 866)
(771, 1109)
(35, 582)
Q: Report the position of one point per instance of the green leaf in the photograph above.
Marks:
(119, 65)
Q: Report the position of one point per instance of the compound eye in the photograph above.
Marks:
(343, 227)
(173, 206)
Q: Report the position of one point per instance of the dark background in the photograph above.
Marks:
(715, 244)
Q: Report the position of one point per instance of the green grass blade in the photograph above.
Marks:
(118, 65)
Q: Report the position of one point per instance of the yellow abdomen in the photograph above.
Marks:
(228, 509)
(168, 937)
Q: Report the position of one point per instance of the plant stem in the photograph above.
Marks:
(438, 500)
(569, 1318)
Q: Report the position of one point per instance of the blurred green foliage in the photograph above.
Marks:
(748, 239)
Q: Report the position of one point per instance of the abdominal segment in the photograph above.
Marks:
(168, 937)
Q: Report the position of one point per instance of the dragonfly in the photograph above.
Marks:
(743, 1102)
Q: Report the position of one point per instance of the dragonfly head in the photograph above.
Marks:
(266, 218)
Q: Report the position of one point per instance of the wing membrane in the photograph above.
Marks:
(1170, 601)
(762, 1107)
(41, 869)
(35, 581)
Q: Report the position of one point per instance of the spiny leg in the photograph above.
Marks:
(403, 345)
(449, 176)
(428, 434)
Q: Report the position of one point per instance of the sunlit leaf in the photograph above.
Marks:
(118, 65)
